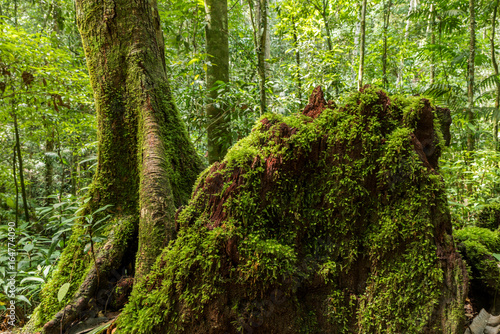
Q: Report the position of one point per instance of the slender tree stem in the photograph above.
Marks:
(471, 142)
(362, 46)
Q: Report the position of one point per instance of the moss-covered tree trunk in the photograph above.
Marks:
(146, 164)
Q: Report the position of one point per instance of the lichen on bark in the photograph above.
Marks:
(331, 220)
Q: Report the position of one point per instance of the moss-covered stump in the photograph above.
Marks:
(328, 221)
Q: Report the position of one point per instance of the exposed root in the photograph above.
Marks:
(109, 258)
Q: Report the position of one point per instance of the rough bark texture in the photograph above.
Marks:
(146, 164)
(216, 29)
(333, 220)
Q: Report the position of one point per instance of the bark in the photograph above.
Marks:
(21, 171)
(387, 16)
(262, 8)
(496, 72)
(471, 141)
(362, 45)
(433, 41)
(262, 52)
(324, 14)
(216, 30)
(343, 228)
(146, 164)
(297, 59)
(413, 6)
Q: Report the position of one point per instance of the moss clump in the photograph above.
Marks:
(333, 221)
(478, 245)
(489, 217)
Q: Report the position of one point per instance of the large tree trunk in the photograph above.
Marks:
(146, 164)
(216, 29)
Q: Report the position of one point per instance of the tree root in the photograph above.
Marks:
(109, 258)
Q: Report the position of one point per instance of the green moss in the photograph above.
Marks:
(478, 245)
(489, 217)
(302, 203)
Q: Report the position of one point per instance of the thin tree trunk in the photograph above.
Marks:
(20, 159)
(362, 45)
(146, 163)
(324, 14)
(471, 142)
(413, 5)
(387, 15)
(216, 30)
(267, 36)
(49, 166)
(297, 59)
(496, 72)
(261, 53)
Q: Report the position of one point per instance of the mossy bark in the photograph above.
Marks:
(146, 164)
(334, 220)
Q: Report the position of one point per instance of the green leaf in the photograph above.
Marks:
(23, 299)
(496, 256)
(34, 279)
(63, 291)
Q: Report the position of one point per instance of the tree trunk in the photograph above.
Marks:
(146, 164)
(324, 14)
(496, 72)
(216, 29)
(433, 42)
(362, 45)
(387, 16)
(49, 166)
(471, 141)
(262, 52)
(21, 171)
(14, 172)
(321, 236)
